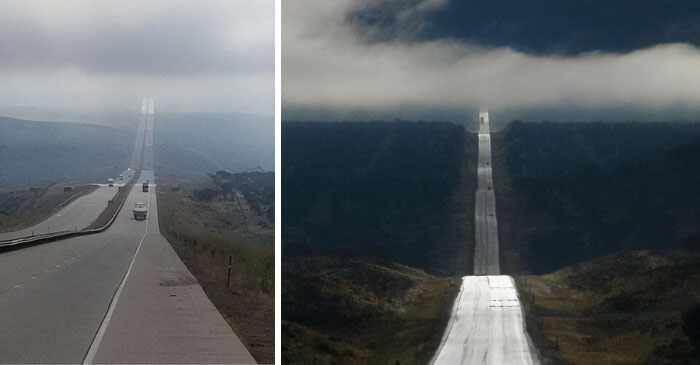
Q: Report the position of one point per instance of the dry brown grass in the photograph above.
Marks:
(574, 320)
(205, 245)
(35, 205)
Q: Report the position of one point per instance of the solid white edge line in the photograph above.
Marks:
(451, 322)
(534, 352)
(94, 347)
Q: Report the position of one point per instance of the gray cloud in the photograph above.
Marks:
(190, 55)
(327, 65)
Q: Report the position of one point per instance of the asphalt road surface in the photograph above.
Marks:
(486, 258)
(54, 296)
(486, 326)
(137, 153)
(77, 215)
(162, 315)
(119, 296)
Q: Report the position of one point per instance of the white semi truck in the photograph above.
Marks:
(140, 211)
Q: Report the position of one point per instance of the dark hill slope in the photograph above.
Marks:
(349, 310)
(38, 153)
(584, 190)
(392, 190)
(636, 307)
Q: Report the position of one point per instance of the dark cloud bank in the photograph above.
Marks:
(439, 59)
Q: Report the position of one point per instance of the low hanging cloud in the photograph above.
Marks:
(190, 56)
(327, 63)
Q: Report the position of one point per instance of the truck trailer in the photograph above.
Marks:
(140, 211)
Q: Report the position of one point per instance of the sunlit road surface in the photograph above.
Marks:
(486, 326)
(120, 296)
(76, 216)
(486, 259)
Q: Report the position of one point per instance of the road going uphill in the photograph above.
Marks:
(118, 296)
(486, 325)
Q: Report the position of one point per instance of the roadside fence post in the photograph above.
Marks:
(228, 279)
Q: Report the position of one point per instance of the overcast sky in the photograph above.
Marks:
(331, 61)
(205, 56)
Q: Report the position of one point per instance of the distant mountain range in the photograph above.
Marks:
(37, 153)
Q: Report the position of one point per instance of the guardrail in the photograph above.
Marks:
(39, 237)
(54, 236)
(65, 202)
(107, 216)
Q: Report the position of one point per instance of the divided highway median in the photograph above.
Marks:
(103, 221)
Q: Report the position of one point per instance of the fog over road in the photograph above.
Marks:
(486, 325)
(119, 296)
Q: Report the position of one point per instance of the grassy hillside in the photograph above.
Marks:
(343, 310)
(23, 208)
(231, 222)
(360, 201)
(380, 189)
(39, 153)
(633, 307)
(570, 192)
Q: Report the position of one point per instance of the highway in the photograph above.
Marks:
(81, 212)
(119, 296)
(486, 325)
(77, 215)
(486, 259)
